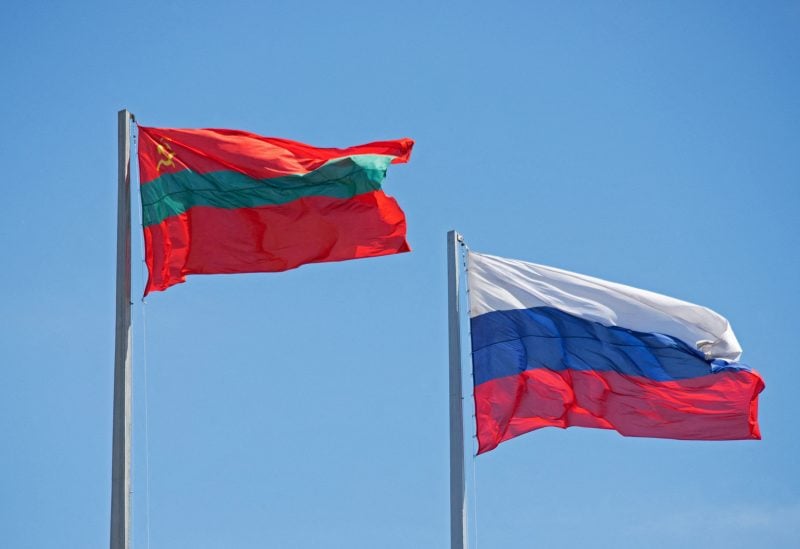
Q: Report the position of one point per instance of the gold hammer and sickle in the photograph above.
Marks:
(166, 151)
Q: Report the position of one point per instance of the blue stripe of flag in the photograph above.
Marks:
(505, 343)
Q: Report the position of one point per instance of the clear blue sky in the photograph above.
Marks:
(651, 143)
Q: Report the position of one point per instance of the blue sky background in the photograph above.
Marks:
(651, 143)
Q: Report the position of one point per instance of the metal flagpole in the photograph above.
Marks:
(121, 438)
(458, 511)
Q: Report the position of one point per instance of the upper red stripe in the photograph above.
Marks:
(208, 150)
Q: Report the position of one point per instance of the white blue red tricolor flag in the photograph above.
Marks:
(555, 348)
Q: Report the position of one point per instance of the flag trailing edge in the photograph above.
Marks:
(227, 201)
(556, 348)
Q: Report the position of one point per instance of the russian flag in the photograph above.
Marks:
(551, 348)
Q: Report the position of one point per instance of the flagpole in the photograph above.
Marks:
(458, 511)
(121, 437)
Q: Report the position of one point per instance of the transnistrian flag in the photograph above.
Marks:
(226, 201)
(555, 348)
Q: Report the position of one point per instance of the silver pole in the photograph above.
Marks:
(458, 510)
(121, 438)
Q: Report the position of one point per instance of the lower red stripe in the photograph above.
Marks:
(207, 240)
(721, 406)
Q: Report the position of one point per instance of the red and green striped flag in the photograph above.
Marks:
(226, 201)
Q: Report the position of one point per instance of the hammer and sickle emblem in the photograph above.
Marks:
(166, 151)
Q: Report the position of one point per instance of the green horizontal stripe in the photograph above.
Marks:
(174, 193)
